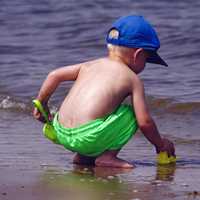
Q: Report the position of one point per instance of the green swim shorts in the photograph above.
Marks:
(93, 138)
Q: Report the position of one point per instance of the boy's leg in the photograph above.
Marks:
(109, 159)
(83, 160)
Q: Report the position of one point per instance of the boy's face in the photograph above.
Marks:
(138, 60)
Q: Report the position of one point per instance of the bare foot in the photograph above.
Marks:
(109, 159)
(114, 162)
(83, 160)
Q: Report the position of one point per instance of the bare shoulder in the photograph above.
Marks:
(78, 66)
(92, 62)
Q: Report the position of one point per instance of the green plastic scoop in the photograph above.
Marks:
(48, 128)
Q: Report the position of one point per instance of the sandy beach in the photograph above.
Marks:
(31, 167)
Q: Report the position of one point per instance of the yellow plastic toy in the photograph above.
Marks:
(163, 159)
(48, 128)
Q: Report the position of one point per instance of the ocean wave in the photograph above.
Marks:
(158, 105)
(171, 106)
(10, 104)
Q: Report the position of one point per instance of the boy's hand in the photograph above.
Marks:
(38, 116)
(167, 146)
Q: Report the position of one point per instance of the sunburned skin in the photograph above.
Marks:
(101, 86)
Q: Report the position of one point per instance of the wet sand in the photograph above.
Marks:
(31, 167)
(99, 183)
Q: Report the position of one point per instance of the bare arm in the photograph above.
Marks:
(145, 121)
(54, 78)
(50, 84)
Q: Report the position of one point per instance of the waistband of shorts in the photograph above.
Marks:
(89, 125)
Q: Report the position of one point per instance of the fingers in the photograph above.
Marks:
(46, 108)
(38, 116)
(168, 147)
(171, 149)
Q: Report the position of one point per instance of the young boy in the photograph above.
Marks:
(92, 121)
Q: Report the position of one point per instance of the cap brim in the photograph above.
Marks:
(156, 59)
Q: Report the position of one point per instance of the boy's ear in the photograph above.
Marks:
(138, 54)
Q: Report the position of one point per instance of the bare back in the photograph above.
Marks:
(99, 89)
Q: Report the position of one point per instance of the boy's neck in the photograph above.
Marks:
(118, 58)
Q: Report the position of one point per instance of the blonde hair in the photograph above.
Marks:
(118, 49)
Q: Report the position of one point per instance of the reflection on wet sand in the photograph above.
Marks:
(97, 183)
(165, 172)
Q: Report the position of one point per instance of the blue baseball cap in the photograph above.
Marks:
(135, 32)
